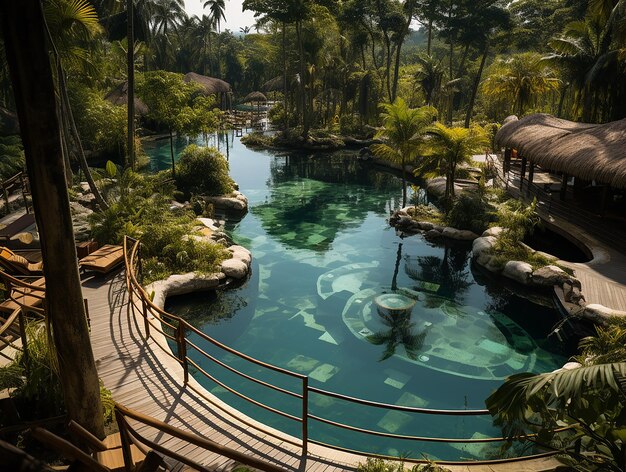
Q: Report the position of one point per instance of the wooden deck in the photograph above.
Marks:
(142, 377)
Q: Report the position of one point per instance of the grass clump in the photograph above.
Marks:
(379, 465)
(471, 211)
(426, 213)
(257, 139)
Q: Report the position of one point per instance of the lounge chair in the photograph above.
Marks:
(18, 226)
(23, 296)
(18, 264)
(104, 260)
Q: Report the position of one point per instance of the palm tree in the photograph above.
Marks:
(216, 9)
(401, 128)
(590, 399)
(166, 16)
(521, 79)
(245, 29)
(430, 77)
(448, 148)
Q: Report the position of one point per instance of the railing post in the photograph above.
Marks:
(305, 416)
(125, 440)
(182, 350)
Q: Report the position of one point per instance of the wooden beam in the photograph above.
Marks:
(563, 191)
(531, 175)
(522, 172)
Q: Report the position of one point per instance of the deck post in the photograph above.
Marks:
(522, 172)
(182, 350)
(22, 323)
(507, 160)
(563, 186)
(531, 175)
(125, 440)
(305, 416)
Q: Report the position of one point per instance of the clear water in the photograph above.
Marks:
(323, 252)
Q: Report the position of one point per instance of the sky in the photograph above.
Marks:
(235, 19)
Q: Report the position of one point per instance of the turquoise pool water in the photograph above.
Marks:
(323, 256)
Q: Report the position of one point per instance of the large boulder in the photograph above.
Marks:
(519, 271)
(241, 253)
(483, 245)
(600, 314)
(181, 284)
(550, 275)
(495, 231)
(80, 221)
(459, 234)
(236, 201)
(234, 268)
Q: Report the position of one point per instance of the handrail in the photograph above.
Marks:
(122, 412)
(146, 305)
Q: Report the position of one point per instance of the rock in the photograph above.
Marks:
(601, 314)
(235, 268)
(236, 201)
(181, 284)
(209, 223)
(519, 271)
(549, 275)
(433, 234)
(495, 231)
(483, 245)
(426, 225)
(242, 254)
(80, 221)
(459, 234)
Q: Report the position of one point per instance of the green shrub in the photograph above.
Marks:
(379, 465)
(203, 171)
(470, 211)
(11, 156)
(257, 140)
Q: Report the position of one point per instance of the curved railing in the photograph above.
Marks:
(157, 319)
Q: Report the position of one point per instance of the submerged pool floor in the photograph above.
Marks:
(323, 252)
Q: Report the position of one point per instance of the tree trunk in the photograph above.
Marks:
(403, 183)
(285, 98)
(31, 75)
(172, 153)
(305, 115)
(130, 35)
(470, 107)
(430, 36)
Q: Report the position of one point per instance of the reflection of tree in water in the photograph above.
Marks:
(449, 271)
(314, 198)
(400, 333)
(200, 309)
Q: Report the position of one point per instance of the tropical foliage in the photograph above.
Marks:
(203, 171)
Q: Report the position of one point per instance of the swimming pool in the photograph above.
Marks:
(323, 256)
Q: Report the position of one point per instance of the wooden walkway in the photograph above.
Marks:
(140, 376)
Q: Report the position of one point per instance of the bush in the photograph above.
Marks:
(11, 156)
(203, 171)
(257, 140)
(472, 212)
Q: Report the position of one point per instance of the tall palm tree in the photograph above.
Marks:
(448, 148)
(204, 33)
(217, 10)
(521, 79)
(166, 17)
(402, 127)
(429, 76)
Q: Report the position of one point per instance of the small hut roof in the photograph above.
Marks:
(211, 85)
(273, 85)
(119, 96)
(9, 124)
(587, 151)
(255, 97)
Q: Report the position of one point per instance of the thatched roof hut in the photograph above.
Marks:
(210, 85)
(119, 96)
(9, 124)
(254, 97)
(273, 85)
(587, 151)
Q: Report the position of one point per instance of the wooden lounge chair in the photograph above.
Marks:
(18, 226)
(16, 263)
(23, 296)
(104, 260)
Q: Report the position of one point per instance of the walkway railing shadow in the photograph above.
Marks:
(165, 329)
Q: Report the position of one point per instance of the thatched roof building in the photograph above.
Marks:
(119, 96)
(254, 97)
(587, 151)
(210, 85)
(9, 124)
(274, 85)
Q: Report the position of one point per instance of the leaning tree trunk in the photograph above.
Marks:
(31, 76)
(470, 107)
